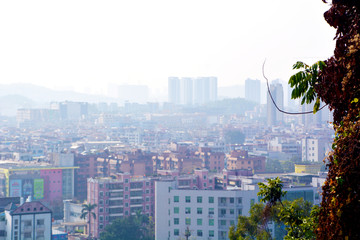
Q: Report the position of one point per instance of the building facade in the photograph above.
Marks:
(206, 214)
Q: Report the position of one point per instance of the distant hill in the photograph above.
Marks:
(44, 95)
(10, 103)
(14, 96)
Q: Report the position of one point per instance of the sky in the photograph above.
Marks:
(87, 45)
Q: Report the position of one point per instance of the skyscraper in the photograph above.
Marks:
(275, 117)
(192, 91)
(174, 90)
(252, 90)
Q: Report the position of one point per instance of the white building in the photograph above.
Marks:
(207, 214)
(29, 221)
(314, 149)
(192, 91)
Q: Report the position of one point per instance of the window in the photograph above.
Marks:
(199, 210)
(16, 222)
(211, 222)
(211, 233)
(211, 211)
(240, 211)
(187, 199)
(199, 222)
(188, 221)
(101, 226)
(222, 211)
(252, 201)
(187, 210)
(211, 199)
(101, 209)
(176, 198)
(204, 184)
(232, 200)
(27, 223)
(101, 194)
(232, 222)
(222, 222)
(176, 210)
(27, 235)
(126, 180)
(240, 200)
(101, 218)
(176, 232)
(232, 211)
(199, 199)
(199, 233)
(40, 222)
(176, 221)
(126, 189)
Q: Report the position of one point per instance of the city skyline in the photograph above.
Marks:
(144, 43)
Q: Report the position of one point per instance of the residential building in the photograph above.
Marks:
(240, 159)
(117, 198)
(29, 221)
(207, 214)
(192, 91)
(314, 149)
(252, 90)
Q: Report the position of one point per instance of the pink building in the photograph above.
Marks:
(121, 197)
(126, 195)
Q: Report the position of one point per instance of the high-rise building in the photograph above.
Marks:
(192, 91)
(186, 91)
(174, 90)
(275, 117)
(252, 90)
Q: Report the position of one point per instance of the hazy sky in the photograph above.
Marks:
(84, 45)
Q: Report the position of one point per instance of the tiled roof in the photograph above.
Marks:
(31, 207)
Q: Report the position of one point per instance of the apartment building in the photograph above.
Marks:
(205, 214)
(121, 197)
(29, 221)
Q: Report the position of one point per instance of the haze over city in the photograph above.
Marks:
(86, 45)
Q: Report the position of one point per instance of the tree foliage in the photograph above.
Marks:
(87, 212)
(138, 227)
(234, 137)
(252, 227)
(337, 84)
(299, 217)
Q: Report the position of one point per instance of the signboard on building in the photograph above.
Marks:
(27, 188)
(15, 188)
(38, 189)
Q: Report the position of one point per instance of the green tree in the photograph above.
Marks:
(252, 227)
(298, 216)
(234, 137)
(336, 82)
(137, 227)
(87, 212)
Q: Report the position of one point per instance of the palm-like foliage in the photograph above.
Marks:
(87, 212)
